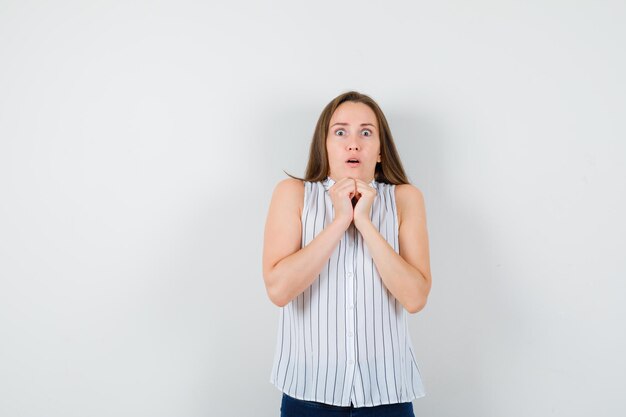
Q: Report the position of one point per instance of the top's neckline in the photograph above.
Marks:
(329, 182)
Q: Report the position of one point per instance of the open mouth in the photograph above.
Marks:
(353, 162)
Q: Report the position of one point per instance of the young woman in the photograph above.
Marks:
(346, 257)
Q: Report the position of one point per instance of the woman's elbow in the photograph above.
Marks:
(276, 298)
(416, 307)
(419, 302)
(274, 293)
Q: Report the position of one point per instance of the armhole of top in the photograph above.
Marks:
(307, 194)
(396, 215)
(308, 186)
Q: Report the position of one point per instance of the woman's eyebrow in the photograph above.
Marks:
(346, 124)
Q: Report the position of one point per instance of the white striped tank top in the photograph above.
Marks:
(345, 340)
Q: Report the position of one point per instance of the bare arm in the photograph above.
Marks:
(406, 275)
(289, 269)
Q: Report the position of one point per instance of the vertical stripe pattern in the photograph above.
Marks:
(344, 340)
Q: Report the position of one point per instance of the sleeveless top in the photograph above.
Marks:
(345, 340)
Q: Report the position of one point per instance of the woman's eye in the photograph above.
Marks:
(340, 132)
(369, 132)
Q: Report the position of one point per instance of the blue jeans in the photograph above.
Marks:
(293, 407)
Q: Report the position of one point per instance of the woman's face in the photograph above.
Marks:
(353, 135)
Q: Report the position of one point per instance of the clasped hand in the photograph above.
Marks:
(352, 200)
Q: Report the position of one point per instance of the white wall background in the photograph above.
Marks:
(140, 143)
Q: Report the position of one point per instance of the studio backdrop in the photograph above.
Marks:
(140, 143)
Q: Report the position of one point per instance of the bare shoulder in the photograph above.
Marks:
(408, 192)
(290, 183)
(289, 187)
(409, 199)
(289, 192)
